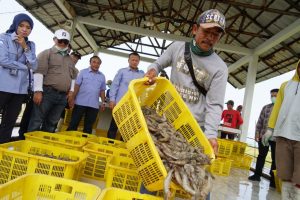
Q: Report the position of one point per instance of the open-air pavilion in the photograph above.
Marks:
(261, 41)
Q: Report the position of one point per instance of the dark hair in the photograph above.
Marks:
(97, 57)
(76, 54)
(274, 90)
(134, 54)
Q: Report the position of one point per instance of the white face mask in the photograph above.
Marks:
(273, 99)
(61, 49)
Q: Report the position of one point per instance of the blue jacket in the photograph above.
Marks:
(13, 57)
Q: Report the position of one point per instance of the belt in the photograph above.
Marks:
(53, 89)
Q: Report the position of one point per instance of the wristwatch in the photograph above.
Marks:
(26, 49)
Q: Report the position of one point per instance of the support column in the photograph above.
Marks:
(248, 97)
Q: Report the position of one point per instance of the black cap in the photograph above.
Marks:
(230, 102)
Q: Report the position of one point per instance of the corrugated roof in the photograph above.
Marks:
(249, 24)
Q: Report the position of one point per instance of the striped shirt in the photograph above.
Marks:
(262, 123)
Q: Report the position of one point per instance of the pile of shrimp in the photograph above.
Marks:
(184, 163)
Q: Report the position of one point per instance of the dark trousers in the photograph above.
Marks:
(90, 115)
(25, 119)
(113, 129)
(11, 104)
(230, 135)
(45, 116)
(262, 154)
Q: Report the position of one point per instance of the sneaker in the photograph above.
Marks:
(272, 185)
(254, 178)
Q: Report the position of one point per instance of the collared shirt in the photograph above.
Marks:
(14, 64)
(262, 123)
(91, 84)
(58, 70)
(121, 81)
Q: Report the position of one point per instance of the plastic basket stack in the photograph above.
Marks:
(231, 154)
(36, 186)
(68, 139)
(23, 157)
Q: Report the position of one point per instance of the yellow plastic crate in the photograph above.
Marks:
(238, 148)
(246, 162)
(119, 194)
(163, 97)
(65, 141)
(108, 142)
(99, 156)
(221, 167)
(122, 174)
(23, 157)
(242, 162)
(236, 160)
(78, 134)
(34, 186)
(225, 147)
(278, 182)
(181, 194)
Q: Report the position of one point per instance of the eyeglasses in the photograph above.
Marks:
(66, 42)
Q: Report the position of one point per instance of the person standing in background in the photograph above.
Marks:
(17, 59)
(75, 56)
(261, 127)
(54, 82)
(120, 85)
(90, 84)
(108, 83)
(232, 119)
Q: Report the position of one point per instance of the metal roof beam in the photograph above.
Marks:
(125, 55)
(278, 38)
(70, 13)
(150, 33)
(239, 63)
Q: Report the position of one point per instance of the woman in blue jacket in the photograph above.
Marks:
(17, 59)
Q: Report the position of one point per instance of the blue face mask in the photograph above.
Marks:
(273, 99)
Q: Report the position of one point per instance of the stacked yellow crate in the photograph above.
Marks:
(37, 186)
(230, 154)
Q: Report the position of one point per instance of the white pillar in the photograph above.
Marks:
(248, 97)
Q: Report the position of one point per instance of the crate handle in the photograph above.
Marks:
(64, 188)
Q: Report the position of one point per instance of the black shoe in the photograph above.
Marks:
(272, 185)
(254, 178)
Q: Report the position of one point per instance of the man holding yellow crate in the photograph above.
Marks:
(198, 73)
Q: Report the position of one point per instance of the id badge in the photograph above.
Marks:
(13, 72)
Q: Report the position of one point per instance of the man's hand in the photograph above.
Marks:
(266, 137)
(151, 74)
(214, 144)
(257, 137)
(102, 108)
(70, 98)
(38, 97)
(112, 104)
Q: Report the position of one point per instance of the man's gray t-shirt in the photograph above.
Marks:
(211, 73)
